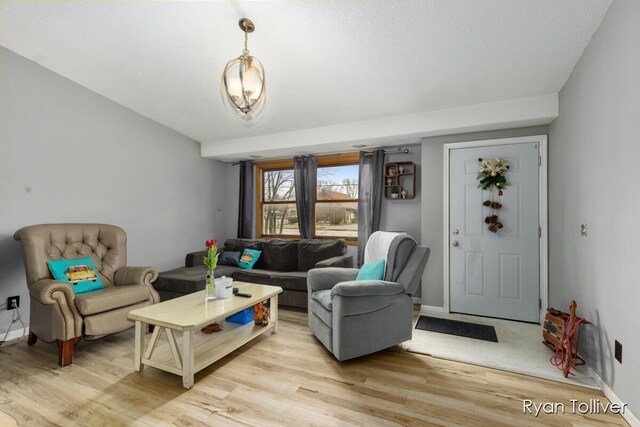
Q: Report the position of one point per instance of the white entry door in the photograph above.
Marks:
(495, 274)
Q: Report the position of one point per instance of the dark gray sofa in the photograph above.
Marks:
(283, 263)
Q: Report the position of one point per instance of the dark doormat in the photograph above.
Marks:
(456, 327)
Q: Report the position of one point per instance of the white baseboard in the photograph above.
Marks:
(431, 308)
(14, 334)
(608, 392)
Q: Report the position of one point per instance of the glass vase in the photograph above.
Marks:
(210, 288)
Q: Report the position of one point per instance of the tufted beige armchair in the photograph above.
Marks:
(57, 313)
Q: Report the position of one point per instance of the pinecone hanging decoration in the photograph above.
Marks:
(491, 177)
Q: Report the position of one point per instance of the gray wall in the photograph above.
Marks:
(70, 155)
(404, 215)
(593, 176)
(432, 203)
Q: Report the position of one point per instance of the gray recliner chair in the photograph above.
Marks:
(354, 318)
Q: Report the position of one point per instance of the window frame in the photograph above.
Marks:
(346, 159)
(261, 168)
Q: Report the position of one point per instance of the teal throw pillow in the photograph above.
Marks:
(372, 271)
(80, 273)
(249, 258)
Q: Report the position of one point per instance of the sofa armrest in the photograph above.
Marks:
(138, 276)
(135, 276)
(361, 288)
(194, 258)
(68, 322)
(49, 291)
(326, 278)
(344, 261)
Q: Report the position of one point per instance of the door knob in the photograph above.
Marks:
(455, 232)
(455, 244)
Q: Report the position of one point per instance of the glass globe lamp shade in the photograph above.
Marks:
(243, 87)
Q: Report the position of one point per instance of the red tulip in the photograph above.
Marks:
(211, 243)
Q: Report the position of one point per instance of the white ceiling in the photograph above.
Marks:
(327, 62)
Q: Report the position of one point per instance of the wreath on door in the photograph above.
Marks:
(491, 177)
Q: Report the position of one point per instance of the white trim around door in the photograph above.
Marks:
(543, 207)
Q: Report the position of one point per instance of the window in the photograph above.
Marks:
(279, 214)
(336, 207)
(336, 200)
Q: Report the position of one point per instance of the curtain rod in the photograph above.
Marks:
(397, 151)
(367, 153)
(390, 152)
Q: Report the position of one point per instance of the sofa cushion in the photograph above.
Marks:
(186, 280)
(322, 305)
(183, 280)
(290, 280)
(323, 314)
(239, 245)
(224, 270)
(324, 298)
(229, 258)
(310, 252)
(261, 277)
(111, 298)
(280, 255)
(109, 322)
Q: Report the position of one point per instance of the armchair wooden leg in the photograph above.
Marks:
(32, 338)
(65, 351)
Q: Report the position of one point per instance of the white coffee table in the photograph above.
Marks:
(195, 350)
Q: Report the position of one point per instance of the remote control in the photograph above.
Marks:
(243, 295)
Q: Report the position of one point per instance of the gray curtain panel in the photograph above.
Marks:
(245, 208)
(305, 177)
(370, 190)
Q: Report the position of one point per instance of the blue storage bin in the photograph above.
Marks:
(242, 317)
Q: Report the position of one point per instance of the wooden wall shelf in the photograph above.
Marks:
(400, 179)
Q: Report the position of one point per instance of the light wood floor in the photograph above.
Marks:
(283, 379)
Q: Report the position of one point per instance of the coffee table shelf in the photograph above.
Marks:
(211, 348)
(194, 350)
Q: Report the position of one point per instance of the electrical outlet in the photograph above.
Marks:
(618, 351)
(11, 300)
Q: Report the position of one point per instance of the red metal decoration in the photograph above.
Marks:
(566, 347)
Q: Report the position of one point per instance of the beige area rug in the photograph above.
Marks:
(519, 349)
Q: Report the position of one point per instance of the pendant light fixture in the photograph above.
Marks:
(243, 86)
